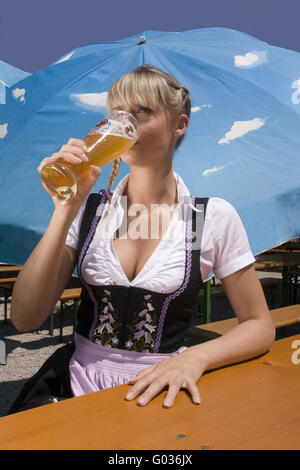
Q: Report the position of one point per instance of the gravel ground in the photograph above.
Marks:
(26, 352)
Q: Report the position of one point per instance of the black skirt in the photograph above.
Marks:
(51, 382)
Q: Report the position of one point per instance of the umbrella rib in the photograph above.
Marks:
(242, 79)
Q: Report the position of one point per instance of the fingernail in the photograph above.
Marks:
(167, 403)
(129, 396)
(142, 401)
(85, 147)
(96, 170)
(85, 157)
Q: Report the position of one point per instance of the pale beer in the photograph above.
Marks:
(109, 139)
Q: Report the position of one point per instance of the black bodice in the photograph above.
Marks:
(133, 318)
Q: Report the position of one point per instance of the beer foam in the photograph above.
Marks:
(118, 135)
(117, 128)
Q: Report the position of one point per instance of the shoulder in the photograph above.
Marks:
(224, 221)
(228, 248)
(220, 213)
(217, 207)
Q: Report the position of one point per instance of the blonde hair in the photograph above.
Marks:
(148, 86)
(114, 173)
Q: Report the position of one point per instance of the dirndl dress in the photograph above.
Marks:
(121, 329)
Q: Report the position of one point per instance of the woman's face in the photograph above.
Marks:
(156, 138)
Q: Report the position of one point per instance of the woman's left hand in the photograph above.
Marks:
(182, 371)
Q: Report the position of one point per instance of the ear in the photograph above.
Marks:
(181, 126)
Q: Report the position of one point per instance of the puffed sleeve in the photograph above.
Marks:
(225, 246)
(73, 234)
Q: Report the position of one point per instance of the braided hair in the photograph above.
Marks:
(113, 175)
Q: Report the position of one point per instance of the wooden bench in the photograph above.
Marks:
(11, 268)
(218, 291)
(281, 317)
(214, 292)
(67, 295)
(267, 265)
(7, 283)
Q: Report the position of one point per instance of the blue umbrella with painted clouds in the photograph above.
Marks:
(9, 75)
(242, 143)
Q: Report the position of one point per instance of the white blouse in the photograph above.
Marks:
(224, 245)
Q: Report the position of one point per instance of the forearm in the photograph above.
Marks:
(35, 291)
(247, 340)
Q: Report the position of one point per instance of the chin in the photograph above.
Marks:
(130, 157)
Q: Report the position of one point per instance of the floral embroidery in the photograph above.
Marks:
(141, 331)
(143, 328)
(107, 327)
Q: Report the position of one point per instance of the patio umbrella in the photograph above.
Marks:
(242, 143)
(9, 75)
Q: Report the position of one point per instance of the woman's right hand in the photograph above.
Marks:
(73, 152)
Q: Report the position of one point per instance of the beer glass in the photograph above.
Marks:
(110, 138)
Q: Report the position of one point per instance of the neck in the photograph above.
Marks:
(151, 186)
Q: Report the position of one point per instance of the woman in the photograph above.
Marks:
(138, 293)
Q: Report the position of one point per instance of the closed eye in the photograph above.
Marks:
(139, 109)
(144, 109)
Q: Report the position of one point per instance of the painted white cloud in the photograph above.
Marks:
(194, 109)
(19, 94)
(66, 57)
(240, 128)
(296, 94)
(3, 130)
(3, 88)
(212, 170)
(91, 101)
(250, 59)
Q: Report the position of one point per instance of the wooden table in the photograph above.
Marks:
(251, 405)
